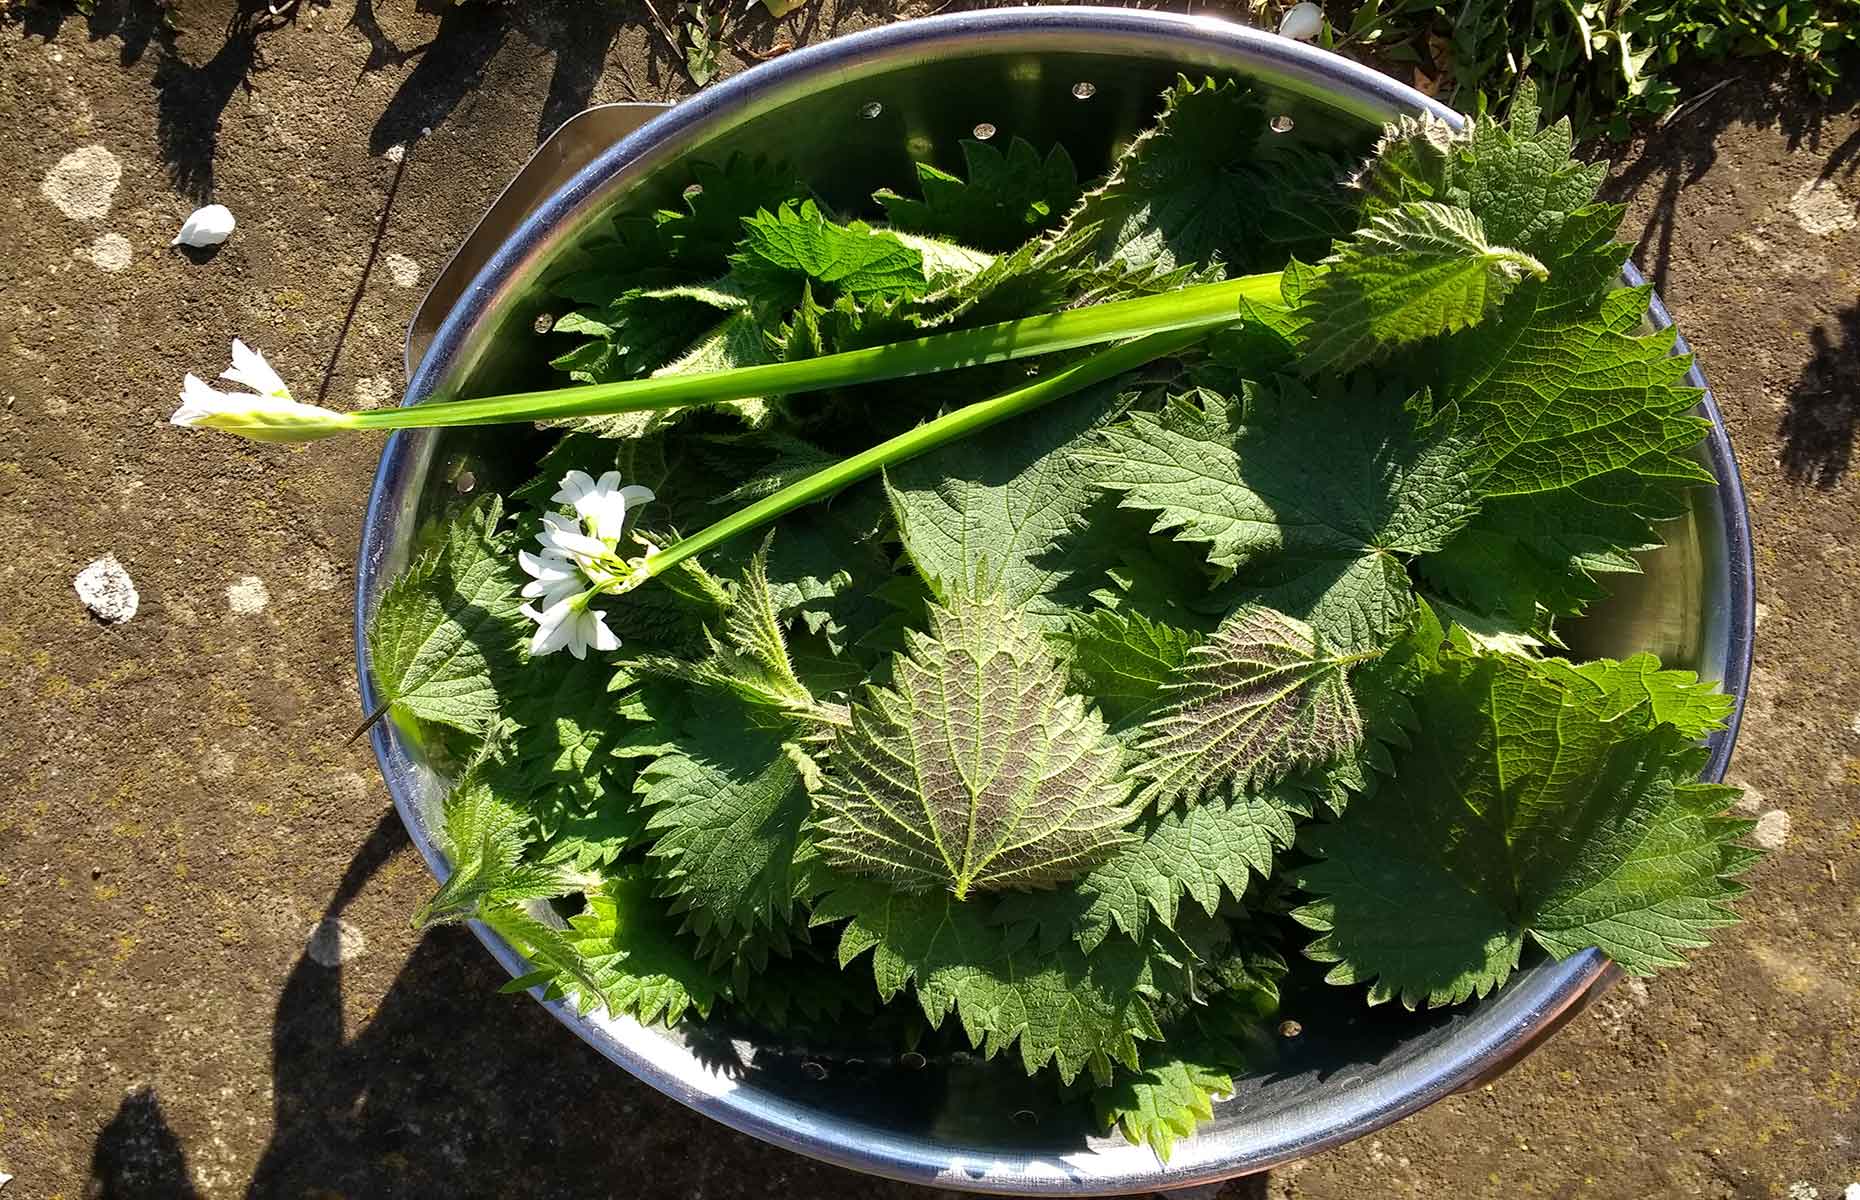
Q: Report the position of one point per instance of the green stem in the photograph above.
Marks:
(1106, 364)
(1200, 308)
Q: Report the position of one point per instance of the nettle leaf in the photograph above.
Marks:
(750, 662)
(1075, 1010)
(448, 623)
(1204, 852)
(1007, 198)
(974, 771)
(1200, 188)
(1411, 273)
(727, 809)
(790, 247)
(484, 834)
(622, 951)
(1532, 804)
(1314, 499)
(700, 237)
(1678, 698)
(1000, 510)
(1124, 660)
(1263, 696)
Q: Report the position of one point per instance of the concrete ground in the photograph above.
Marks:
(182, 810)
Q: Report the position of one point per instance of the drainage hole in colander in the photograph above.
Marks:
(1084, 89)
(814, 1071)
(1280, 124)
(911, 1060)
(871, 109)
(1027, 1116)
(983, 131)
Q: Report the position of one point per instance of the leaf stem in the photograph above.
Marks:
(1106, 364)
(1198, 309)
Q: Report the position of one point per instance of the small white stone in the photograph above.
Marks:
(395, 153)
(1802, 1189)
(333, 942)
(1772, 830)
(106, 589)
(1302, 21)
(6, 1179)
(1852, 1192)
(1855, 723)
(248, 596)
(207, 226)
(1819, 207)
(83, 183)
(403, 270)
(107, 252)
(373, 391)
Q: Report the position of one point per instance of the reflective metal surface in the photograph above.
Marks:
(850, 114)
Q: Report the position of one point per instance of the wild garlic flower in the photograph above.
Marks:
(579, 559)
(266, 413)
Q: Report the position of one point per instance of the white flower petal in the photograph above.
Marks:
(1302, 21)
(207, 226)
(605, 639)
(635, 493)
(250, 368)
(548, 566)
(575, 485)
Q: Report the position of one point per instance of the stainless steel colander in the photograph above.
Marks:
(850, 115)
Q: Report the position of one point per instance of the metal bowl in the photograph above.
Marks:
(851, 114)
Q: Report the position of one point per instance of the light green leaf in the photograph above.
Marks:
(484, 836)
(447, 623)
(974, 771)
(1123, 660)
(791, 246)
(1531, 804)
(1413, 272)
(1263, 696)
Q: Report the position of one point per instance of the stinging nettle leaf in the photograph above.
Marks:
(974, 771)
(1124, 660)
(1414, 272)
(1261, 697)
(1532, 803)
(446, 623)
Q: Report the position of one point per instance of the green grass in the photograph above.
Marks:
(1603, 64)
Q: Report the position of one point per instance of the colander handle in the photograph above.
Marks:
(574, 144)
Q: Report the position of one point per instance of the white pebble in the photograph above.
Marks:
(1852, 1192)
(1302, 21)
(106, 589)
(107, 252)
(1802, 1189)
(373, 391)
(1819, 207)
(333, 942)
(83, 183)
(6, 1179)
(1855, 723)
(248, 596)
(1772, 830)
(395, 153)
(207, 226)
(403, 270)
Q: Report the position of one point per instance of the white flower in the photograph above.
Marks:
(570, 623)
(1302, 21)
(602, 502)
(266, 414)
(207, 226)
(579, 557)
